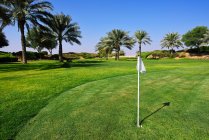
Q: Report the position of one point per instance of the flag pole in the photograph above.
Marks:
(138, 97)
(138, 94)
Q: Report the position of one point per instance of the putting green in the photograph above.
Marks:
(106, 109)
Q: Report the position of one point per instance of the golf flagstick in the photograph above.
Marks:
(140, 68)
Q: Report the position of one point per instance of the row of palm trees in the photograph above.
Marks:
(115, 39)
(35, 13)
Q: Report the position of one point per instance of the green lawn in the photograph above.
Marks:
(97, 100)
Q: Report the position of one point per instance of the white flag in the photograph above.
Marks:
(143, 69)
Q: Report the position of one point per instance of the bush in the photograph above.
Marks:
(31, 55)
(8, 58)
(203, 49)
(145, 54)
(43, 53)
(87, 55)
(161, 54)
(54, 57)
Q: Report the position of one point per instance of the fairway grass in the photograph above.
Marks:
(97, 100)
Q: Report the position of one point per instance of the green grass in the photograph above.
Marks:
(97, 100)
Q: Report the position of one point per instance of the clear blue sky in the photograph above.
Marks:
(97, 17)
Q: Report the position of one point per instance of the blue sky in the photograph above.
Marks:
(97, 17)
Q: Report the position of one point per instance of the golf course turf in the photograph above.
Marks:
(94, 99)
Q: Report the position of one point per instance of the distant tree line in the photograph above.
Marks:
(47, 30)
(112, 42)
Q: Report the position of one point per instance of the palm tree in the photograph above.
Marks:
(61, 28)
(5, 16)
(104, 48)
(117, 38)
(4, 20)
(171, 40)
(142, 37)
(25, 13)
(3, 40)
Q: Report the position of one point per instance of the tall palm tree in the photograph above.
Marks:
(61, 28)
(142, 38)
(25, 13)
(104, 48)
(3, 40)
(171, 40)
(117, 38)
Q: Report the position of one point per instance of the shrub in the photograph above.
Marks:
(87, 55)
(8, 58)
(54, 57)
(31, 55)
(145, 54)
(157, 54)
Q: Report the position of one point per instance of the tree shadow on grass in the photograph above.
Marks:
(9, 67)
(145, 118)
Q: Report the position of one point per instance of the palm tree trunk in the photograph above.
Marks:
(107, 56)
(22, 31)
(60, 50)
(140, 50)
(118, 54)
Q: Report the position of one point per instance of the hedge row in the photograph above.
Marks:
(8, 58)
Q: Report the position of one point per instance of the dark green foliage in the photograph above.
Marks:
(54, 57)
(31, 55)
(201, 50)
(5, 16)
(206, 39)
(34, 39)
(3, 41)
(38, 40)
(7, 57)
(194, 37)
